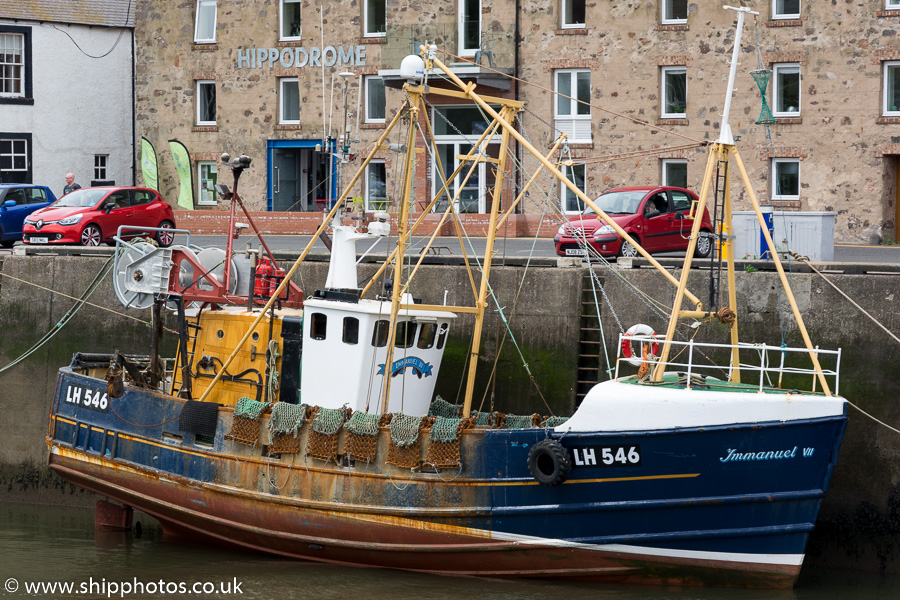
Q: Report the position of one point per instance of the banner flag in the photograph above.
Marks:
(185, 174)
(148, 164)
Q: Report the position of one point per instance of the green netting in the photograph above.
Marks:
(519, 421)
(250, 409)
(761, 77)
(328, 420)
(445, 429)
(484, 419)
(441, 408)
(363, 423)
(405, 429)
(554, 421)
(287, 418)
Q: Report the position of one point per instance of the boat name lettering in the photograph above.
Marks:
(287, 58)
(88, 398)
(607, 456)
(734, 455)
(419, 367)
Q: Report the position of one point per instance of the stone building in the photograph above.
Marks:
(268, 79)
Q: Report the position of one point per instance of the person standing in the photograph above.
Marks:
(71, 186)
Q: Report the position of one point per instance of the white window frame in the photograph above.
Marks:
(666, 18)
(101, 167)
(781, 161)
(892, 4)
(367, 80)
(664, 72)
(576, 126)
(777, 15)
(565, 191)
(12, 66)
(203, 167)
(776, 88)
(664, 166)
(366, 9)
(462, 48)
(201, 5)
(202, 82)
(567, 21)
(13, 154)
(281, 9)
(283, 82)
(887, 109)
(370, 207)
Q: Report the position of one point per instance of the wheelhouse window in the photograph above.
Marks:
(427, 333)
(891, 85)
(351, 330)
(289, 94)
(674, 12)
(15, 157)
(12, 65)
(469, 27)
(206, 181)
(290, 19)
(205, 26)
(380, 333)
(406, 334)
(571, 202)
(375, 99)
(674, 92)
(786, 90)
(573, 14)
(100, 162)
(442, 335)
(674, 172)
(317, 326)
(206, 103)
(376, 186)
(572, 109)
(785, 9)
(785, 179)
(375, 18)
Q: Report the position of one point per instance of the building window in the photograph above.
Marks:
(674, 172)
(785, 179)
(785, 9)
(206, 103)
(289, 112)
(206, 181)
(469, 27)
(376, 186)
(572, 14)
(290, 19)
(786, 90)
(15, 157)
(572, 104)
(205, 27)
(674, 12)
(100, 161)
(375, 18)
(891, 87)
(674, 92)
(15, 65)
(375, 101)
(571, 202)
(892, 4)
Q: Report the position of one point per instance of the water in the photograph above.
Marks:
(53, 545)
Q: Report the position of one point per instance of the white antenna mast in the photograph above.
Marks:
(725, 137)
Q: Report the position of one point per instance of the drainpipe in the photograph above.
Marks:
(133, 106)
(516, 42)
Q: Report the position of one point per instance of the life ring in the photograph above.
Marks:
(549, 462)
(628, 352)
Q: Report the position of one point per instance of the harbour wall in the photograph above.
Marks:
(859, 522)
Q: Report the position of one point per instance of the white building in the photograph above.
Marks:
(66, 91)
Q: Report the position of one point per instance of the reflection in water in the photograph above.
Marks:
(57, 544)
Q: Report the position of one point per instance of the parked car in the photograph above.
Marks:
(17, 201)
(656, 217)
(90, 216)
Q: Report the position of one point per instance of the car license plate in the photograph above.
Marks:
(38, 240)
(575, 252)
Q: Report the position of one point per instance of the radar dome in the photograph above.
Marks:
(412, 68)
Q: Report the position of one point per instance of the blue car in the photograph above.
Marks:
(17, 201)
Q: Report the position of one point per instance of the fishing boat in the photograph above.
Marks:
(307, 426)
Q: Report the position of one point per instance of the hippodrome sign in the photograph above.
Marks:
(257, 58)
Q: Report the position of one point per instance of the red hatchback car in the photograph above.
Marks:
(90, 216)
(656, 217)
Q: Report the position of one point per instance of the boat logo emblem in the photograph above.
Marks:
(419, 367)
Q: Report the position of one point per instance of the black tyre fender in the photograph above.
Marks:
(549, 462)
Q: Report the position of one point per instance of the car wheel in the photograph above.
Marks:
(704, 245)
(7, 243)
(627, 250)
(91, 236)
(165, 237)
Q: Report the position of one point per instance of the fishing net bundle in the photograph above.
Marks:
(553, 421)
(441, 408)
(521, 421)
(285, 423)
(405, 447)
(245, 422)
(362, 434)
(322, 441)
(443, 449)
(486, 419)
